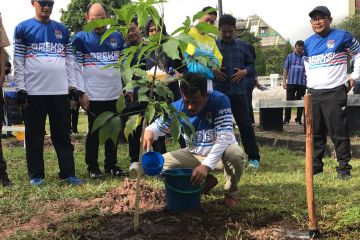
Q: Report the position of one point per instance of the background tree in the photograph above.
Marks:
(351, 24)
(274, 60)
(74, 16)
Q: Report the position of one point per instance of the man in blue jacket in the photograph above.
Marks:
(237, 63)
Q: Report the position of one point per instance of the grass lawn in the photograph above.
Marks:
(270, 198)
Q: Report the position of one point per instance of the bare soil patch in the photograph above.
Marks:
(115, 219)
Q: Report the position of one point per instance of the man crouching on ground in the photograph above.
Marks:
(214, 140)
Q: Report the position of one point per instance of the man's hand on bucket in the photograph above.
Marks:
(199, 174)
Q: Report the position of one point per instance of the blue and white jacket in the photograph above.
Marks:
(98, 82)
(325, 59)
(43, 59)
(213, 128)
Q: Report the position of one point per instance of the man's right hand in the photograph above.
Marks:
(84, 102)
(284, 84)
(219, 75)
(21, 98)
(148, 139)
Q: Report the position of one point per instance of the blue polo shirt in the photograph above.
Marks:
(294, 65)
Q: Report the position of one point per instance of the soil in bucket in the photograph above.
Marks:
(180, 194)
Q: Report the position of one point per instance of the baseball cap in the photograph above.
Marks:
(320, 9)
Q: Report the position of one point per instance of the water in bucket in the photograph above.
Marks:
(180, 194)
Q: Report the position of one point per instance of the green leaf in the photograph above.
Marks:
(101, 120)
(198, 15)
(108, 33)
(99, 23)
(127, 75)
(139, 72)
(183, 116)
(131, 124)
(180, 29)
(142, 16)
(104, 133)
(114, 127)
(203, 60)
(187, 22)
(150, 112)
(187, 39)
(160, 91)
(207, 28)
(171, 49)
(120, 104)
(174, 128)
(154, 14)
(143, 98)
(143, 90)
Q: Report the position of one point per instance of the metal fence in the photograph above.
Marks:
(273, 80)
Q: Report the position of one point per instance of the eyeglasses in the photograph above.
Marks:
(45, 3)
(319, 19)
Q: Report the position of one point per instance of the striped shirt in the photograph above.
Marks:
(326, 59)
(43, 59)
(294, 65)
(99, 83)
(213, 128)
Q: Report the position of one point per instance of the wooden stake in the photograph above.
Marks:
(313, 224)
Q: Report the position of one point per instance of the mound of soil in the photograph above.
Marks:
(122, 199)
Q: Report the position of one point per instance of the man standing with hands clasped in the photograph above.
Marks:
(325, 61)
(44, 79)
(237, 63)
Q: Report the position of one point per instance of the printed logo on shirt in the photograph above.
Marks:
(331, 43)
(113, 42)
(322, 58)
(208, 117)
(58, 34)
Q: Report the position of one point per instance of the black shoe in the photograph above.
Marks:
(5, 181)
(96, 174)
(116, 171)
(344, 176)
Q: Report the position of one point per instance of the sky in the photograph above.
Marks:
(288, 17)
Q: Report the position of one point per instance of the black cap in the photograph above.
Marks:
(320, 9)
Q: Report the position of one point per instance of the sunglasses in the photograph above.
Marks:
(45, 3)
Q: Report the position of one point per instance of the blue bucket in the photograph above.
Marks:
(152, 163)
(180, 194)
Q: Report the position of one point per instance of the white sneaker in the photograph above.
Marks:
(134, 166)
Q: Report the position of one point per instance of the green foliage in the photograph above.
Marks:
(249, 37)
(287, 50)
(351, 24)
(74, 16)
(274, 60)
(172, 46)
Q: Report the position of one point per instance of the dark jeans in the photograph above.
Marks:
(240, 111)
(92, 139)
(57, 108)
(74, 115)
(330, 117)
(3, 173)
(294, 92)
(250, 84)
